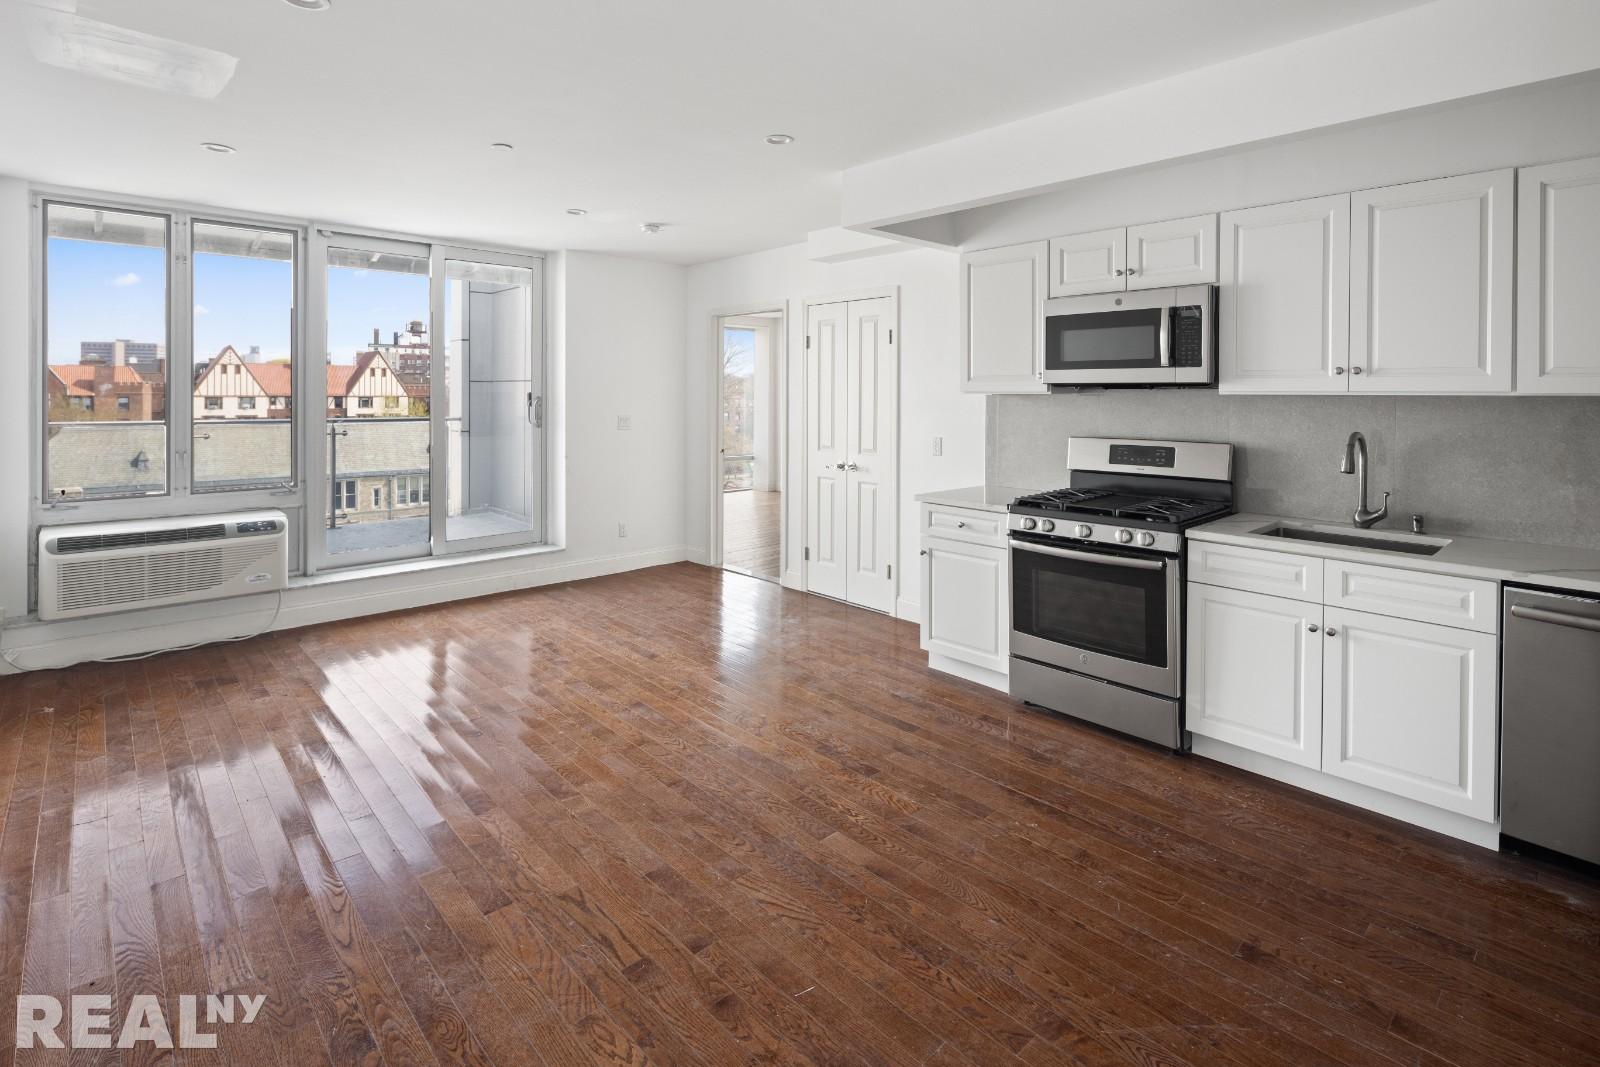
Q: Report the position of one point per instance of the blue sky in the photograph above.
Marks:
(100, 292)
(738, 350)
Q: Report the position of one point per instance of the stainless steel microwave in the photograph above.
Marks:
(1153, 337)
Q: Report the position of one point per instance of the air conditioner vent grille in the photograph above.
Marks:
(106, 583)
(138, 538)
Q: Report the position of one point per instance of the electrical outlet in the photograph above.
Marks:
(938, 446)
(622, 529)
(624, 422)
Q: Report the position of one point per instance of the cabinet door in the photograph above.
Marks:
(1089, 263)
(1558, 276)
(1255, 672)
(1431, 269)
(1410, 708)
(1285, 298)
(1177, 252)
(966, 602)
(1002, 312)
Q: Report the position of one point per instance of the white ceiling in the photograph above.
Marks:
(379, 113)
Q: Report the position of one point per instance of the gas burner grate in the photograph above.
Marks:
(1171, 509)
(1060, 499)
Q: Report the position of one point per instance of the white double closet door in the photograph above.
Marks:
(852, 425)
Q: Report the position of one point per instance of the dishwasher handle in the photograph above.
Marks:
(1555, 618)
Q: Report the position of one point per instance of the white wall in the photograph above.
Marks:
(930, 403)
(616, 347)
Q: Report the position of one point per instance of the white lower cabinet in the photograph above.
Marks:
(1409, 708)
(1404, 705)
(966, 602)
(1255, 672)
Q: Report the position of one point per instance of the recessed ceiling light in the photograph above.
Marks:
(219, 148)
(650, 227)
(780, 138)
(310, 5)
(577, 211)
(501, 146)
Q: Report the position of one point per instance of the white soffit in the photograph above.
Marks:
(70, 41)
(1419, 57)
(837, 244)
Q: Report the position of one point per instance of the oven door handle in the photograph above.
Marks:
(1092, 557)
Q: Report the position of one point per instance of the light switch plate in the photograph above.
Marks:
(624, 422)
(938, 446)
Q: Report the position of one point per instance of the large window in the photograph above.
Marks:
(105, 347)
(243, 351)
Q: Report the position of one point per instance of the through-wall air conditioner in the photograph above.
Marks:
(100, 567)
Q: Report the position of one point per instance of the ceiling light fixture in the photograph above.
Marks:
(310, 5)
(71, 42)
(501, 146)
(218, 147)
(650, 227)
(577, 211)
(780, 138)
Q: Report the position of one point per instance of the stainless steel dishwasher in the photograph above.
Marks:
(1550, 721)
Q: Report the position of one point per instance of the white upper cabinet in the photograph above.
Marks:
(1089, 263)
(1285, 298)
(1179, 252)
(1431, 270)
(1558, 277)
(1152, 256)
(1002, 311)
(1410, 708)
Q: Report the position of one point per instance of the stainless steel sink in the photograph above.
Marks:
(1371, 540)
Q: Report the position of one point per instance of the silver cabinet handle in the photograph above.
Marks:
(1332, 632)
(1555, 618)
(1311, 626)
(1338, 370)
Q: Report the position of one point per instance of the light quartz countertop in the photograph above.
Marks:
(1554, 566)
(976, 497)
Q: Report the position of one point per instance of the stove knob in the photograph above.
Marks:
(1147, 538)
(1124, 536)
(1047, 525)
(1030, 524)
(1084, 529)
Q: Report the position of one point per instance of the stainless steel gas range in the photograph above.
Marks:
(1097, 581)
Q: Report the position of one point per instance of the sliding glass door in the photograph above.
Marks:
(429, 424)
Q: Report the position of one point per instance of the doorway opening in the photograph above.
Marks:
(750, 440)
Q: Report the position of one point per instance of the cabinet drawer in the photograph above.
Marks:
(1256, 570)
(1467, 603)
(964, 524)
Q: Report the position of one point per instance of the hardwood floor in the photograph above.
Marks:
(684, 817)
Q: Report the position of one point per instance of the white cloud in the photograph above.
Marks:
(201, 309)
(123, 280)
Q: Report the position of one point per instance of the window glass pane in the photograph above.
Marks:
(105, 352)
(243, 377)
(379, 374)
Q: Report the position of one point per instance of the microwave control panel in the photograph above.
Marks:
(1187, 323)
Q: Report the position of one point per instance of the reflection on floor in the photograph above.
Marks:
(391, 533)
(750, 533)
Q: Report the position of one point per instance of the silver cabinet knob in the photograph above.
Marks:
(1131, 272)
(1338, 370)
(961, 524)
(1120, 273)
(1355, 370)
(1311, 626)
(1332, 632)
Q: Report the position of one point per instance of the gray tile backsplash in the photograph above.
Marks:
(1518, 468)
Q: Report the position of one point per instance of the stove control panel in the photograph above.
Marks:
(1067, 532)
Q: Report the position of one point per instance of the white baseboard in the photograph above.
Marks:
(50, 645)
(908, 609)
(1449, 823)
(981, 675)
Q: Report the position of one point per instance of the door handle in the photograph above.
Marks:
(851, 467)
(838, 466)
(1555, 618)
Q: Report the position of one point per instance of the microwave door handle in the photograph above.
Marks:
(1091, 557)
(1166, 337)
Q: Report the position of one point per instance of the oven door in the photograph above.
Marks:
(1122, 339)
(1108, 613)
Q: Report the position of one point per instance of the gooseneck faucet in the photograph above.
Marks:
(1355, 461)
